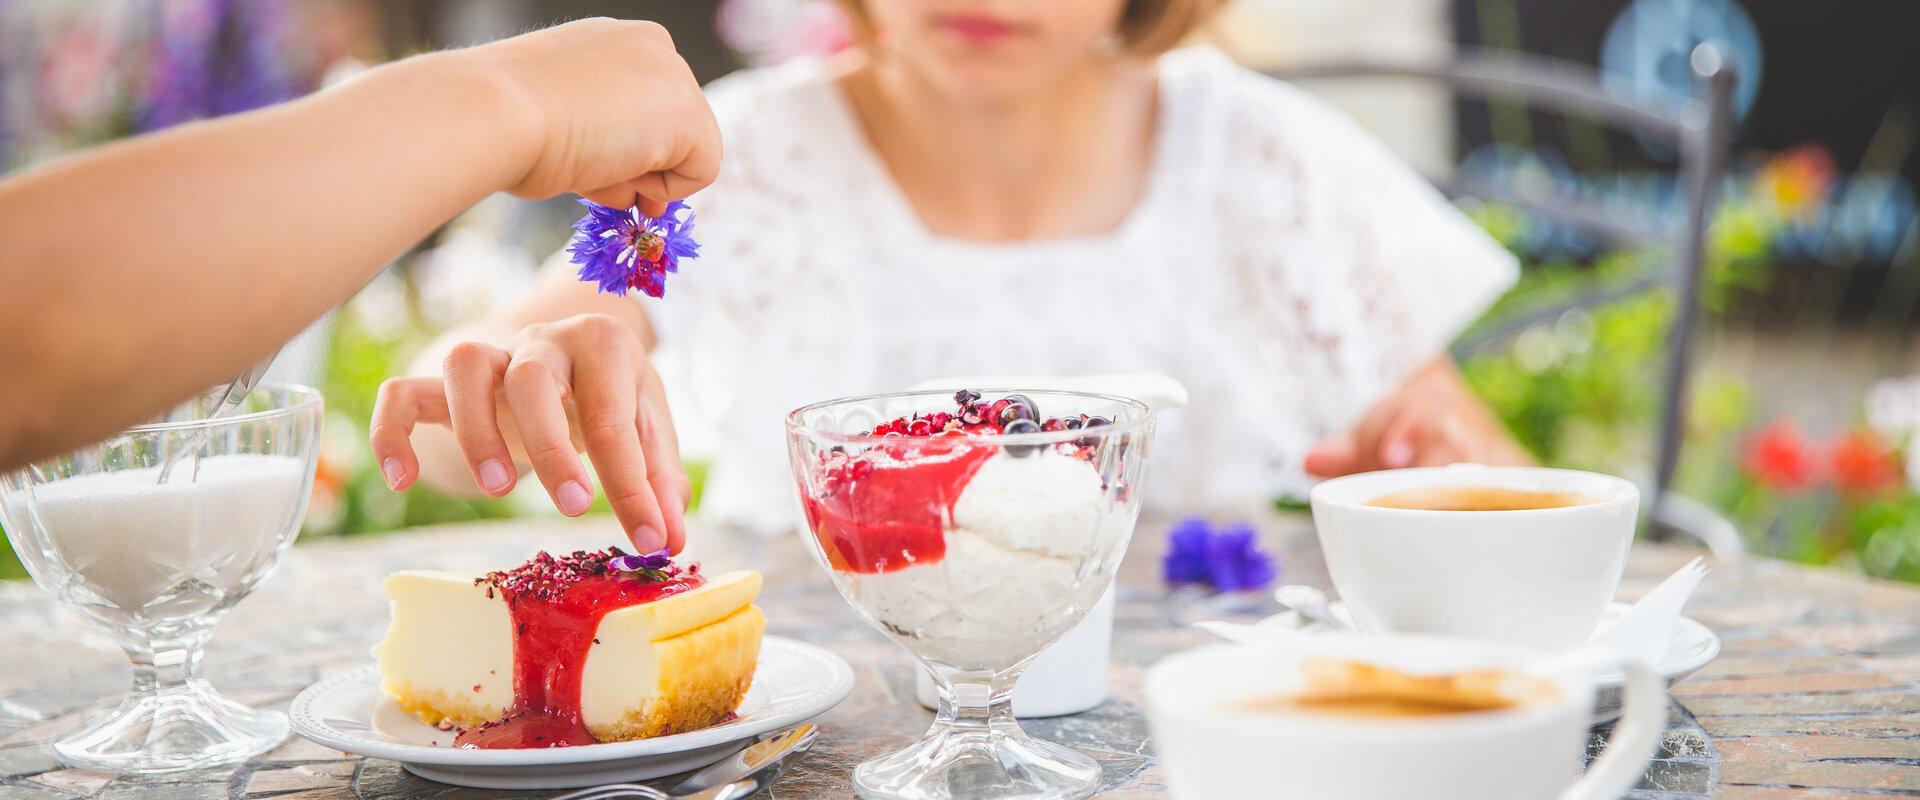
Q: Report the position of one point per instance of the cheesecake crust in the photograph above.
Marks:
(704, 673)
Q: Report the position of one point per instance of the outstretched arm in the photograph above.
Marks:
(135, 274)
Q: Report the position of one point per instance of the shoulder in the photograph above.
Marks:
(1243, 104)
(796, 94)
(784, 130)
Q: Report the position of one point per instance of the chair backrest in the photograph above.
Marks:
(1698, 131)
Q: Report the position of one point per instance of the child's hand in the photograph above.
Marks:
(614, 112)
(1432, 420)
(583, 379)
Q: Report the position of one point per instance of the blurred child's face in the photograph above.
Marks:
(992, 49)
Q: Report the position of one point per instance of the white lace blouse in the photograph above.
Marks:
(1280, 263)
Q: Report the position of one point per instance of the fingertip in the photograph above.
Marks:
(676, 515)
(1329, 459)
(650, 206)
(1396, 453)
(647, 539)
(619, 196)
(572, 498)
(494, 477)
(395, 474)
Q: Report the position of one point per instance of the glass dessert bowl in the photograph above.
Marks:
(973, 529)
(154, 534)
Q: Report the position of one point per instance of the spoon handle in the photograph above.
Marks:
(230, 399)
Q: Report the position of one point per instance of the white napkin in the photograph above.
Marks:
(1646, 630)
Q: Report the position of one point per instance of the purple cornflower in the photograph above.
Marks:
(1228, 558)
(621, 249)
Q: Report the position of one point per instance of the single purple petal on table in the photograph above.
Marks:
(1186, 557)
(1228, 559)
(1235, 561)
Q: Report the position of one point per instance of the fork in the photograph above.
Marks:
(617, 790)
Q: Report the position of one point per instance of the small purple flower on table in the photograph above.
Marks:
(1227, 558)
(620, 248)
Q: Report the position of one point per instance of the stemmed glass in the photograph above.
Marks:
(973, 551)
(156, 564)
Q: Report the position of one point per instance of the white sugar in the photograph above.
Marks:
(133, 541)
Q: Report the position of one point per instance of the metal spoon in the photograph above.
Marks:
(1312, 604)
(230, 399)
(733, 777)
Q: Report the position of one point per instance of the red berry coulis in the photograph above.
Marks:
(885, 509)
(556, 605)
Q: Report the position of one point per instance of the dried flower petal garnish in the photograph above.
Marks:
(620, 248)
(546, 576)
(657, 561)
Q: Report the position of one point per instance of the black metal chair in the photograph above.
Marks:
(1699, 131)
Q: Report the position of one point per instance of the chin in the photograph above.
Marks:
(979, 76)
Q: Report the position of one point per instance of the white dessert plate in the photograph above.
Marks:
(793, 683)
(1692, 647)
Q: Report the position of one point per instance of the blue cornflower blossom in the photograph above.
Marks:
(1228, 558)
(621, 249)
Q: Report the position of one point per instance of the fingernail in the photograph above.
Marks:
(391, 469)
(1398, 454)
(573, 498)
(648, 540)
(494, 476)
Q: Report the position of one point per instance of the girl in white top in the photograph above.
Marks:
(1006, 188)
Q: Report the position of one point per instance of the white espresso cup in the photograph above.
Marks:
(1541, 577)
(1213, 744)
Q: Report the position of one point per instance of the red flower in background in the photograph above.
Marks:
(1863, 463)
(1780, 458)
(1796, 181)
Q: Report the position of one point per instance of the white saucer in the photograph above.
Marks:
(793, 683)
(1692, 647)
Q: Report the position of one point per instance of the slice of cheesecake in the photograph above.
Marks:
(620, 656)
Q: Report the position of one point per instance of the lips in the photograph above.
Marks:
(977, 29)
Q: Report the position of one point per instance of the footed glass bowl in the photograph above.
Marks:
(153, 535)
(973, 545)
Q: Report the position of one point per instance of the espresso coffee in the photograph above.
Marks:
(1369, 706)
(1478, 498)
(1341, 688)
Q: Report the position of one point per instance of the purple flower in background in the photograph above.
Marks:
(216, 57)
(621, 249)
(1228, 558)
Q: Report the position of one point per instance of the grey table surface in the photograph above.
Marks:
(1815, 696)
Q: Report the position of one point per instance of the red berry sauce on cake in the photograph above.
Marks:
(556, 605)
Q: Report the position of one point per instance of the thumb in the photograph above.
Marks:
(1333, 458)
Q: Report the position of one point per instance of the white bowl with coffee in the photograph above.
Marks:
(1390, 718)
(1515, 554)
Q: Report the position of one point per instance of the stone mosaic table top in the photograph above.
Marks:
(1813, 698)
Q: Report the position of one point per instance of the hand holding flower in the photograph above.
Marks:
(611, 111)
